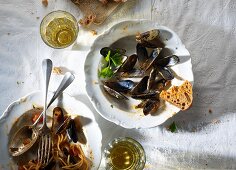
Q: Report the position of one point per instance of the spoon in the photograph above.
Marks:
(27, 135)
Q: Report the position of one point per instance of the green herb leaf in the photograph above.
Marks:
(116, 59)
(107, 58)
(173, 127)
(106, 72)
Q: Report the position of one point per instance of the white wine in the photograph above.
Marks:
(125, 154)
(60, 32)
(59, 29)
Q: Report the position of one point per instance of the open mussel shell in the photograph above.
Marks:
(142, 55)
(128, 64)
(141, 87)
(152, 77)
(141, 104)
(72, 131)
(63, 126)
(135, 73)
(150, 39)
(58, 119)
(167, 61)
(151, 106)
(142, 96)
(165, 52)
(120, 85)
(104, 51)
(166, 73)
(154, 56)
(114, 93)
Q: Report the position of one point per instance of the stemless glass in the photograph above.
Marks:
(59, 29)
(124, 153)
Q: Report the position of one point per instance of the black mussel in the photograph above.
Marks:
(167, 61)
(58, 118)
(142, 54)
(141, 87)
(128, 64)
(166, 73)
(120, 85)
(151, 106)
(72, 131)
(165, 58)
(63, 126)
(155, 53)
(165, 52)
(152, 78)
(153, 94)
(114, 93)
(150, 39)
(135, 73)
(148, 62)
(160, 85)
(104, 51)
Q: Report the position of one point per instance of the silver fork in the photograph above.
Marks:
(45, 141)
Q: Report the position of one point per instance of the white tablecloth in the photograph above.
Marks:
(206, 136)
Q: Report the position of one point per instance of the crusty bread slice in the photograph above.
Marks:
(180, 96)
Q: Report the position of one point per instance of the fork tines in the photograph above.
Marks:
(44, 149)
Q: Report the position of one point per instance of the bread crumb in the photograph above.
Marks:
(8, 33)
(93, 32)
(37, 17)
(45, 3)
(215, 121)
(95, 82)
(210, 111)
(125, 28)
(87, 20)
(22, 100)
(57, 70)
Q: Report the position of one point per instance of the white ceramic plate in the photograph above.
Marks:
(122, 35)
(75, 108)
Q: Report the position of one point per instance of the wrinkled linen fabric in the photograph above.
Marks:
(206, 136)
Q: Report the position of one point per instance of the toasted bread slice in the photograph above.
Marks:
(180, 96)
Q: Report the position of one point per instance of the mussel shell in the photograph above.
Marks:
(150, 39)
(142, 54)
(104, 51)
(128, 64)
(64, 125)
(114, 93)
(141, 105)
(166, 73)
(155, 52)
(165, 52)
(152, 78)
(167, 61)
(148, 95)
(151, 106)
(72, 131)
(58, 118)
(135, 73)
(141, 87)
(120, 85)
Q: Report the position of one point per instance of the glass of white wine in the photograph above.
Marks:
(59, 29)
(124, 153)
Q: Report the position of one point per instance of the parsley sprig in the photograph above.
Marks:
(173, 127)
(113, 61)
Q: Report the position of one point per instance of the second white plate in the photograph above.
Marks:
(122, 35)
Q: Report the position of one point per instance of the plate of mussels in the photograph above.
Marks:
(128, 67)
